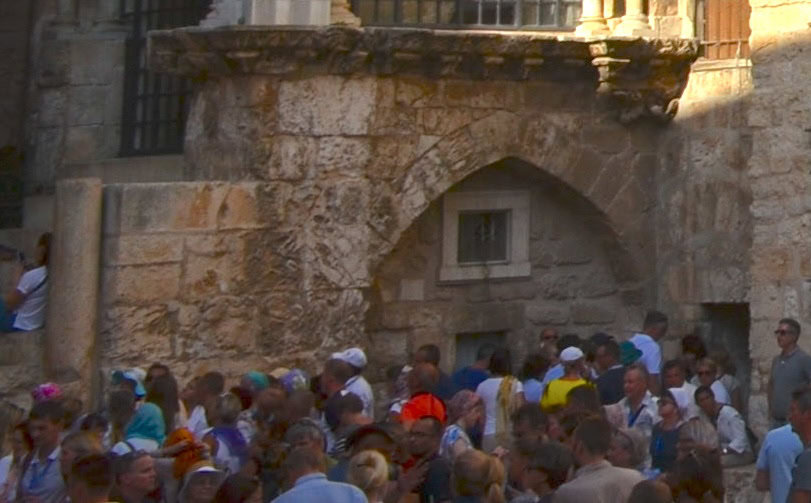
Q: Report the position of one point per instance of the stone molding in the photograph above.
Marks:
(638, 76)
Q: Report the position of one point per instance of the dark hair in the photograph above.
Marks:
(612, 348)
(94, 420)
(698, 473)
(586, 398)
(94, 471)
(531, 414)
(338, 369)
(802, 397)
(571, 420)
(339, 404)
(675, 363)
(555, 460)
(595, 434)
(501, 362)
(568, 341)
(485, 351)
(702, 390)
(534, 365)
(236, 489)
(45, 242)
(650, 491)
(794, 324)
(155, 366)
(694, 345)
(212, 383)
(653, 318)
(120, 405)
(431, 352)
(22, 427)
(50, 410)
(163, 393)
(244, 395)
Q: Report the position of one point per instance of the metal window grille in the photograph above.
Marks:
(723, 28)
(483, 237)
(502, 14)
(155, 106)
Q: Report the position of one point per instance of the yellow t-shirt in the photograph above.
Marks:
(554, 395)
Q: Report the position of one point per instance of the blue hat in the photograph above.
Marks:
(132, 376)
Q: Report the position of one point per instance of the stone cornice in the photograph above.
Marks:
(639, 76)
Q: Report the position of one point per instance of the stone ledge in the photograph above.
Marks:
(642, 75)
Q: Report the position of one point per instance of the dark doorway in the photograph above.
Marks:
(726, 329)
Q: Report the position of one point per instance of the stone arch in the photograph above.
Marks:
(606, 173)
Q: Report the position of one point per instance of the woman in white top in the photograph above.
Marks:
(11, 465)
(502, 394)
(24, 307)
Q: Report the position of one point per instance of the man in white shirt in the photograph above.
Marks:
(654, 328)
(209, 388)
(707, 373)
(732, 436)
(357, 384)
(24, 307)
(639, 406)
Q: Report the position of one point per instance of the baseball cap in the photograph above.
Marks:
(131, 375)
(353, 356)
(571, 354)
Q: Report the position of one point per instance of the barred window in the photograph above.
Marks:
(155, 106)
(526, 14)
(723, 28)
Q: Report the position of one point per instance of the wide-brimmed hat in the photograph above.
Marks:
(197, 469)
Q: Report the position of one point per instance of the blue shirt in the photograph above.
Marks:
(554, 372)
(469, 378)
(533, 390)
(651, 352)
(780, 448)
(316, 488)
(43, 479)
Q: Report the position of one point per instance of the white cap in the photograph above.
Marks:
(353, 356)
(571, 354)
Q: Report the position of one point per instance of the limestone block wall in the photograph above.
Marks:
(703, 221)
(779, 176)
(319, 179)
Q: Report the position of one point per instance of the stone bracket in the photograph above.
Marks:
(642, 78)
(637, 76)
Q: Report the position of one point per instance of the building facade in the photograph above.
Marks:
(263, 194)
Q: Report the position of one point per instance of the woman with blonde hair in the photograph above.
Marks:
(478, 478)
(369, 472)
(75, 445)
(502, 394)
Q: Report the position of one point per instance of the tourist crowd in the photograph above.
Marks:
(592, 420)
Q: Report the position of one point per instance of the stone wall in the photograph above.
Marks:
(571, 286)
(326, 174)
(779, 177)
(704, 229)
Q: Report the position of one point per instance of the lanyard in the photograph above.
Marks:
(633, 417)
(36, 478)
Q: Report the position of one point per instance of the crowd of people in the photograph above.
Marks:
(585, 420)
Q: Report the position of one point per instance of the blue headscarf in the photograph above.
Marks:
(147, 423)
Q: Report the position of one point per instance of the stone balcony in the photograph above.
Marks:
(634, 76)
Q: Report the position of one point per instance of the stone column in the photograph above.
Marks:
(592, 21)
(73, 277)
(635, 21)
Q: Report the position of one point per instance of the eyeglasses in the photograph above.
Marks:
(781, 331)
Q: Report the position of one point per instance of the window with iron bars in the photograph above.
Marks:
(155, 106)
(492, 14)
(722, 26)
